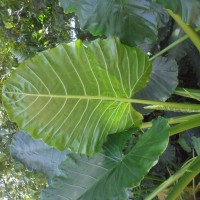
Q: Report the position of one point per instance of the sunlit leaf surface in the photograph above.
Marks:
(74, 95)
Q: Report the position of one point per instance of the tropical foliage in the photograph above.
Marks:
(91, 105)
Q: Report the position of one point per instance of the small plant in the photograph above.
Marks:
(89, 97)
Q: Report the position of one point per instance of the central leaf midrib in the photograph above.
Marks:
(193, 107)
(88, 97)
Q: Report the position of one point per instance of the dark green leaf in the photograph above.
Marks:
(163, 28)
(35, 155)
(185, 139)
(134, 22)
(163, 81)
(107, 174)
(74, 95)
(188, 10)
(184, 48)
(168, 156)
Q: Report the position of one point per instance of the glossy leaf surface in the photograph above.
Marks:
(134, 22)
(74, 95)
(36, 155)
(107, 174)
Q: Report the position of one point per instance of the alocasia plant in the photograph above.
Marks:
(36, 155)
(85, 96)
(79, 96)
(107, 174)
(134, 22)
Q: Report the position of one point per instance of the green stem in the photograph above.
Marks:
(192, 171)
(167, 104)
(188, 30)
(173, 120)
(172, 45)
(170, 180)
(154, 178)
(192, 123)
(185, 123)
(183, 107)
(190, 93)
(193, 181)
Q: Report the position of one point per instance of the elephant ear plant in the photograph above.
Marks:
(81, 98)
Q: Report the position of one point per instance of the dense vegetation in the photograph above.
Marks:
(22, 31)
(113, 110)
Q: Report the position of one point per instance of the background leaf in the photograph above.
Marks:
(74, 95)
(168, 156)
(134, 22)
(182, 49)
(107, 174)
(163, 81)
(188, 10)
(36, 155)
(163, 21)
(186, 138)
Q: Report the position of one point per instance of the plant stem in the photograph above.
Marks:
(153, 178)
(169, 106)
(183, 107)
(188, 30)
(185, 123)
(190, 93)
(192, 171)
(193, 181)
(170, 180)
(192, 123)
(172, 45)
(173, 120)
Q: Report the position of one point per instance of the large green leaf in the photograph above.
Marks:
(107, 174)
(134, 22)
(36, 155)
(188, 10)
(74, 95)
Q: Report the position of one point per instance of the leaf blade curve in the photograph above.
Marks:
(36, 155)
(107, 174)
(188, 10)
(74, 95)
(162, 83)
(112, 18)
